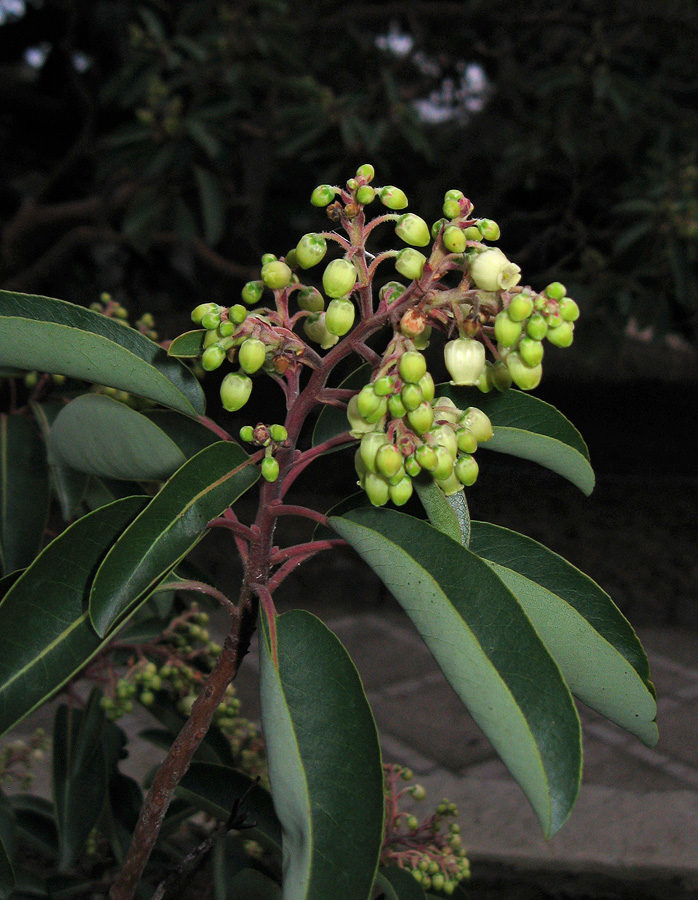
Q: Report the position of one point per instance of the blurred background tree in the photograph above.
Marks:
(155, 150)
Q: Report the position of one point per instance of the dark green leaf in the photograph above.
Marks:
(188, 345)
(212, 205)
(448, 514)
(173, 522)
(7, 874)
(529, 428)
(70, 485)
(402, 883)
(324, 760)
(254, 885)
(79, 776)
(593, 643)
(56, 336)
(35, 822)
(101, 436)
(24, 491)
(45, 632)
(214, 789)
(188, 434)
(487, 649)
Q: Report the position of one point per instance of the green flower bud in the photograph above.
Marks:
(426, 457)
(506, 331)
(392, 197)
(411, 396)
(225, 329)
(472, 233)
(451, 209)
(251, 355)
(569, 309)
(291, 259)
(444, 436)
(276, 275)
(235, 391)
(412, 366)
(396, 406)
(388, 460)
(367, 400)
(437, 226)
(426, 383)
(410, 263)
(323, 195)
(401, 492)
(268, 257)
(391, 291)
(212, 357)
(366, 171)
(252, 291)
(478, 422)
(421, 341)
(454, 239)
(365, 195)
(310, 299)
(465, 360)
(247, 433)
(466, 469)
(421, 418)
(201, 310)
(444, 462)
(445, 410)
(212, 319)
(358, 424)
(523, 376)
(278, 433)
(310, 249)
(339, 316)
(412, 467)
(563, 335)
(520, 308)
(413, 230)
(377, 488)
(488, 229)
(352, 184)
(270, 468)
(449, 485)
(237, 313)
(360, 468)
(501, 376)
(492, 271)
(314, 327)
(339, 278)
(555, 290)
(370, 445)
(466, 440)
(453, 194)
(537, 327)
(377, 414)
(531, 351)
(384, 385)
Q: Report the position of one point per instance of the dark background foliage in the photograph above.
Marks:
(154, 150)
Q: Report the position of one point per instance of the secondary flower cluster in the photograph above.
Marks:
(405, 429)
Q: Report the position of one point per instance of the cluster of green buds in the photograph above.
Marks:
(17, 759)
(172, 670)
(431, 849)
(405, 429)
(270, 437)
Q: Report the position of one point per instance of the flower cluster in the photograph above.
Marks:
(431, 849)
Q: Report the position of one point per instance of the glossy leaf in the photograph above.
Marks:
(449, 514)
(529, 428)
(174, 521)
(597, 650)
(45, 632)
(55, 336)
(215, 788)
(188, 434)
(24, 491)
(69, 484)
(324, 760)
(79, 776)
(487, 649)
(188, 345)
(101, 436)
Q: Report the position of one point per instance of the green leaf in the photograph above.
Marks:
(212, 205)
(215, 788)
(324, 760)
(188, 434)
(69, 484)
(24, 491)
(188, 345)
(55, 336)
(254, 885)
(79, 775)
(101, 436)
(174, 521)
(449, 514)
(45, 632)
(401, 883)
(486, 647)
(332, 420)
(594, 645)
(529, 428)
